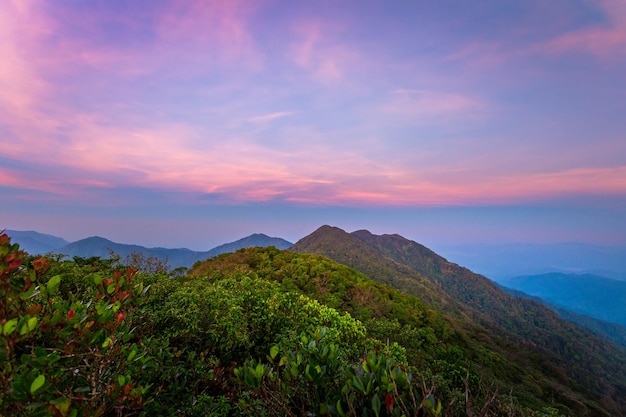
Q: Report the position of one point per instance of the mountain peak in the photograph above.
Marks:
(256, 239)
(348, 249)
(35, 242)
(95, 239)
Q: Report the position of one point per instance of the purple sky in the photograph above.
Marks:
(192, 123)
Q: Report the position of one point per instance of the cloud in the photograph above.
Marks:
(607, 41)
(22, 29)
(428, 106)
(93, 112)
(269, 117)
(317, 47)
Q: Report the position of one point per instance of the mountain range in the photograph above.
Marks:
(613, 331)
(39, 243)
(501, 262)
(436, 307)
(590, 300)
(586, 294)
(518, 341)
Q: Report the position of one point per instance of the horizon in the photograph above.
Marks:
(185, 123)
(435, 247)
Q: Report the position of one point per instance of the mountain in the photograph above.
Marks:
(519, 329)
(98, 246)
(341, 247)
(613, 331)
(586, 294)
(505, 261)
(254, 240)
(35, 242)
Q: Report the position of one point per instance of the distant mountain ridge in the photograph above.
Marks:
(588, 294)
(504, 261)
(35, 242)
(39, 243)
(612, 331)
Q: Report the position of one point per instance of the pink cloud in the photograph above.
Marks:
(606, 41)
(22, 28)
(177, 158)
(317, 48)
(427, 106)
(218, 30)
(96, 149)
(269, 117)
(377, 190)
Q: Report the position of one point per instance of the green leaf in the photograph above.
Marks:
(111, 288)
(121, 380)
(28, 326)
(9, 327)
(259, 371)
(340, 409)
(37, 383)
(53, 284)
(97, 278)
(29, 292)
(358, 384)
(273, 352)
(53, 357)
(32, 323)
(107, 342)
(376, 405)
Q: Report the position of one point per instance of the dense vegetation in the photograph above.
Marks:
(575, 366)
(257, 332)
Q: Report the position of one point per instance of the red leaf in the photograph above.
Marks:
(389, 400)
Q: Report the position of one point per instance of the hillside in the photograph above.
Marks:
(525, 325)
(433, 340)
(586, 294)
(613, 331)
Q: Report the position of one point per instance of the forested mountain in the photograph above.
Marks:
(613, 331)
(588, 294)
(519, 328)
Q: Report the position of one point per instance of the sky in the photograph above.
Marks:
(194, 123)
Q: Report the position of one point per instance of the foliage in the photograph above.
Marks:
(504, 336)
(258, 332)
(63, 355)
